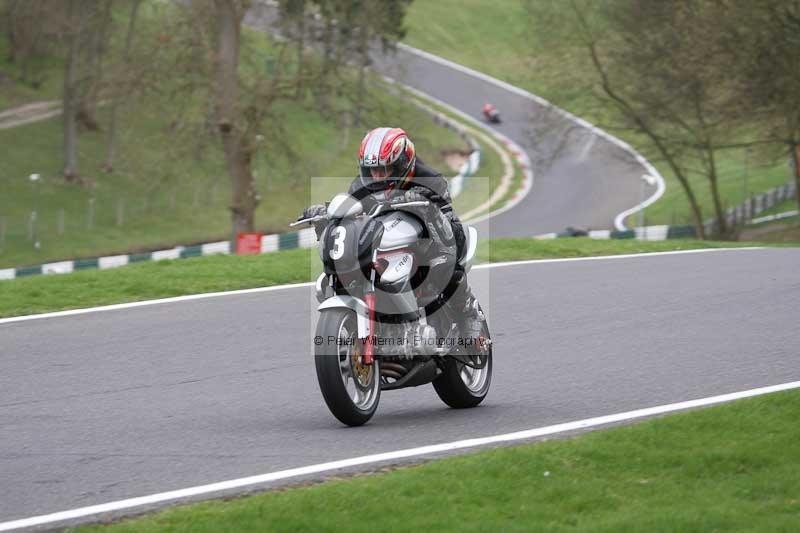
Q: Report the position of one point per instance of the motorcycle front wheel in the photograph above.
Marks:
(351, 389)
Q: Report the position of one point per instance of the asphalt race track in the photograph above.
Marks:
(111, 405)
(583, 181)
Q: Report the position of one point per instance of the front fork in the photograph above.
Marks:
(369, 299)
(369, 346)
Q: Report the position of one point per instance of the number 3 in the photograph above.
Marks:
(339, 234)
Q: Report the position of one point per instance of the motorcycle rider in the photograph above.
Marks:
(490, 112)
(388, 163)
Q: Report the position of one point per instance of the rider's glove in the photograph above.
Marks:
(413, 195)
(313, 211)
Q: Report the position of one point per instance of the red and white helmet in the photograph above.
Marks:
(386, 153)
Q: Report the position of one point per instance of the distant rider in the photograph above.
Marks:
(490, 112)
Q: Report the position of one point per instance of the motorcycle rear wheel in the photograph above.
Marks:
(350, 389)
(461, 386)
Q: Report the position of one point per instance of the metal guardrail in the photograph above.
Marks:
(744, 212)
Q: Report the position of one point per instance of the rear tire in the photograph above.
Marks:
(351, 390)
(461, 386)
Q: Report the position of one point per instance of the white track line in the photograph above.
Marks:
(177, 299)
(785, 214)
(145, 303)
(587, 147)
(202, 490)
(619, 220)
(609, 257)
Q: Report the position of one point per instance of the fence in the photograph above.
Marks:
(753, 206)
(47, 222)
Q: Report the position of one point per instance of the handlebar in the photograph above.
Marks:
(420, 203)
(375, 212)
(309, 220)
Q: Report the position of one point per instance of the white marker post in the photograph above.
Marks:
(647, 179)
(32, 233)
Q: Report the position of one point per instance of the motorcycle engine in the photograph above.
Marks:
(423, 339)
(406, 341)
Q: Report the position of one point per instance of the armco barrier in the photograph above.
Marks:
(754, 205)
(645, 233)
(304, 238)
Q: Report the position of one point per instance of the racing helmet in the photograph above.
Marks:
(386, 153)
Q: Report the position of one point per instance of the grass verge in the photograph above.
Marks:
(162, 279)
(730, 467)
(520, 249)
(782, 231)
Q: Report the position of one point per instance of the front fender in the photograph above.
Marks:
(355, 304)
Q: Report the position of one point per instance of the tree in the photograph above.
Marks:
(98, 27)
(293, 15)
(119, 92)
(244, 93)
(74, 23)
(671, 64)
(244, 97)
(763, 39)
(237, 154)
(369, 22)
(31, 30)
(345, 31)
(661, 69)
(81, 71)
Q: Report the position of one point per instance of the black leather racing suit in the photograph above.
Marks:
(433, 186)
(425, 181)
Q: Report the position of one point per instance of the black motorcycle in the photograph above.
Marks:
(385, 322)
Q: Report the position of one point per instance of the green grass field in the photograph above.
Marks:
(782, 231)
(727, 468)
(498, 38)
(161, 279)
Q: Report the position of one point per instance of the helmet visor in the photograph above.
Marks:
(380, 172)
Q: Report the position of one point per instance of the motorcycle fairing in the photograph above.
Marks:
(348, 244)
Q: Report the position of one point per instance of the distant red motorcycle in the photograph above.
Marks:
(490, 113)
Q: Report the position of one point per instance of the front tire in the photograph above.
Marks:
(461, 386)
(351, 390)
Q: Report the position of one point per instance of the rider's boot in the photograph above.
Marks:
(470, 317)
